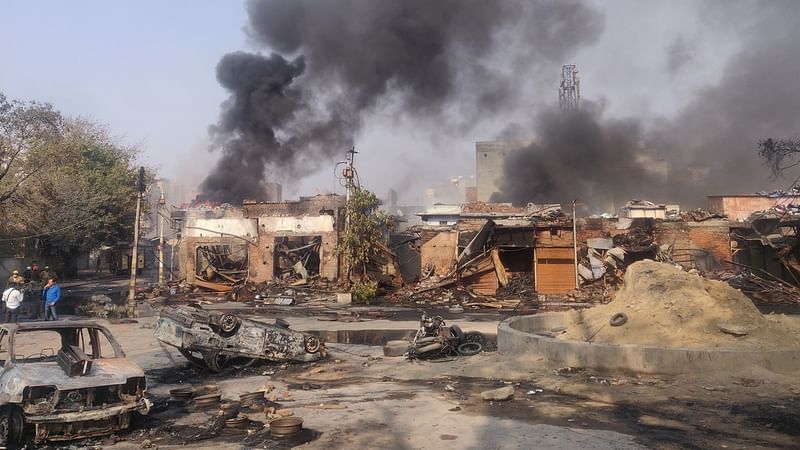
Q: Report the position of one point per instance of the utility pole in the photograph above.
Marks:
(161, 203)
(135, 255)
(349, 174)
(575, 245)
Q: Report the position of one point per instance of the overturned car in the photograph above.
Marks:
(65, 380)
(216, 339)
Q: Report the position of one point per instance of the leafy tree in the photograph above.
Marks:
(365, 228)
(29, 136)
(73, 188)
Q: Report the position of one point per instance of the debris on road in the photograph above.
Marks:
(501, 394)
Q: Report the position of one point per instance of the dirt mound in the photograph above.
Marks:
(668, 307)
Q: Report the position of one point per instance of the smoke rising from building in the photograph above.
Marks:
(708, 148)
(299, 108)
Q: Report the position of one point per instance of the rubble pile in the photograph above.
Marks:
(520, 286)
(281, 293)
(699, 215)
(778, 211)
(794, 190)
(757, 288)
(661, 305)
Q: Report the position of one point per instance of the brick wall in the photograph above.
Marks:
(701, 245)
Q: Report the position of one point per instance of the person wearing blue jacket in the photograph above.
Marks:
(52, 295)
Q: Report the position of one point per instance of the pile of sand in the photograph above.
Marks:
(668, 307)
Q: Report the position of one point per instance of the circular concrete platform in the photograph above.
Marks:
(530, 337)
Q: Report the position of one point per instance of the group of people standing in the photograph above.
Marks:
(20, 286)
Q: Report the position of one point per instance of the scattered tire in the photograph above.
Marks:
(395, 348)
(618, 319)
(456, 332)
(470, 348)
(280, 323)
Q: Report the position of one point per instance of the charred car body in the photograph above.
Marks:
(215, 339)
(41, 400)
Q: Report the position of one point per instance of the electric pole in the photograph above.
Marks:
(135, 255)
(349, 174)
(161, 203)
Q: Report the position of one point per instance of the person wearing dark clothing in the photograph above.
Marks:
(36, 274)
(26, 274)
(52, 295)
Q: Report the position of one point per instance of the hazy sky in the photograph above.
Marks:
(147, 69)
(144, 67)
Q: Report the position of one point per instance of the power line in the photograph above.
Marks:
(48, 232)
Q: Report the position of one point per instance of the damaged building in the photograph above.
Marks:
(484, 245)
(290, 241)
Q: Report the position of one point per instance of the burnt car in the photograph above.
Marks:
(217, 339)
(46, 394)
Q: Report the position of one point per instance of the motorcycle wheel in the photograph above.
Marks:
(475, 336)
(470, 348)
(456, 332)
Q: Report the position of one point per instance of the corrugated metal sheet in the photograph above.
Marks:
(555, 270)
(481, 276)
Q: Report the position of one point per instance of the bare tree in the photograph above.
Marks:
(780, 154)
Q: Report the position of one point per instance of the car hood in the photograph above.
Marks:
(104, 372)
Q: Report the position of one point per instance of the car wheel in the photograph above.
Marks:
(215, 361)
(192, 358)
(11, 424)
(228, 323)
(313, 344)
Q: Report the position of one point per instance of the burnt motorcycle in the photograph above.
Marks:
(435, 339)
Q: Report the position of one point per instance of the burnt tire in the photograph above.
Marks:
(619, 319)
(456, 332)
(470, 348)
(11, 426)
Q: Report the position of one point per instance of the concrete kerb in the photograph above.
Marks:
(517, 337)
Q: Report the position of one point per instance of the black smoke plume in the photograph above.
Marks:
(286, 119)
(577, 154)
(709, 148)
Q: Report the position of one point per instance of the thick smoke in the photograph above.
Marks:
(708, 148)
(575, 154)
(286, 119)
